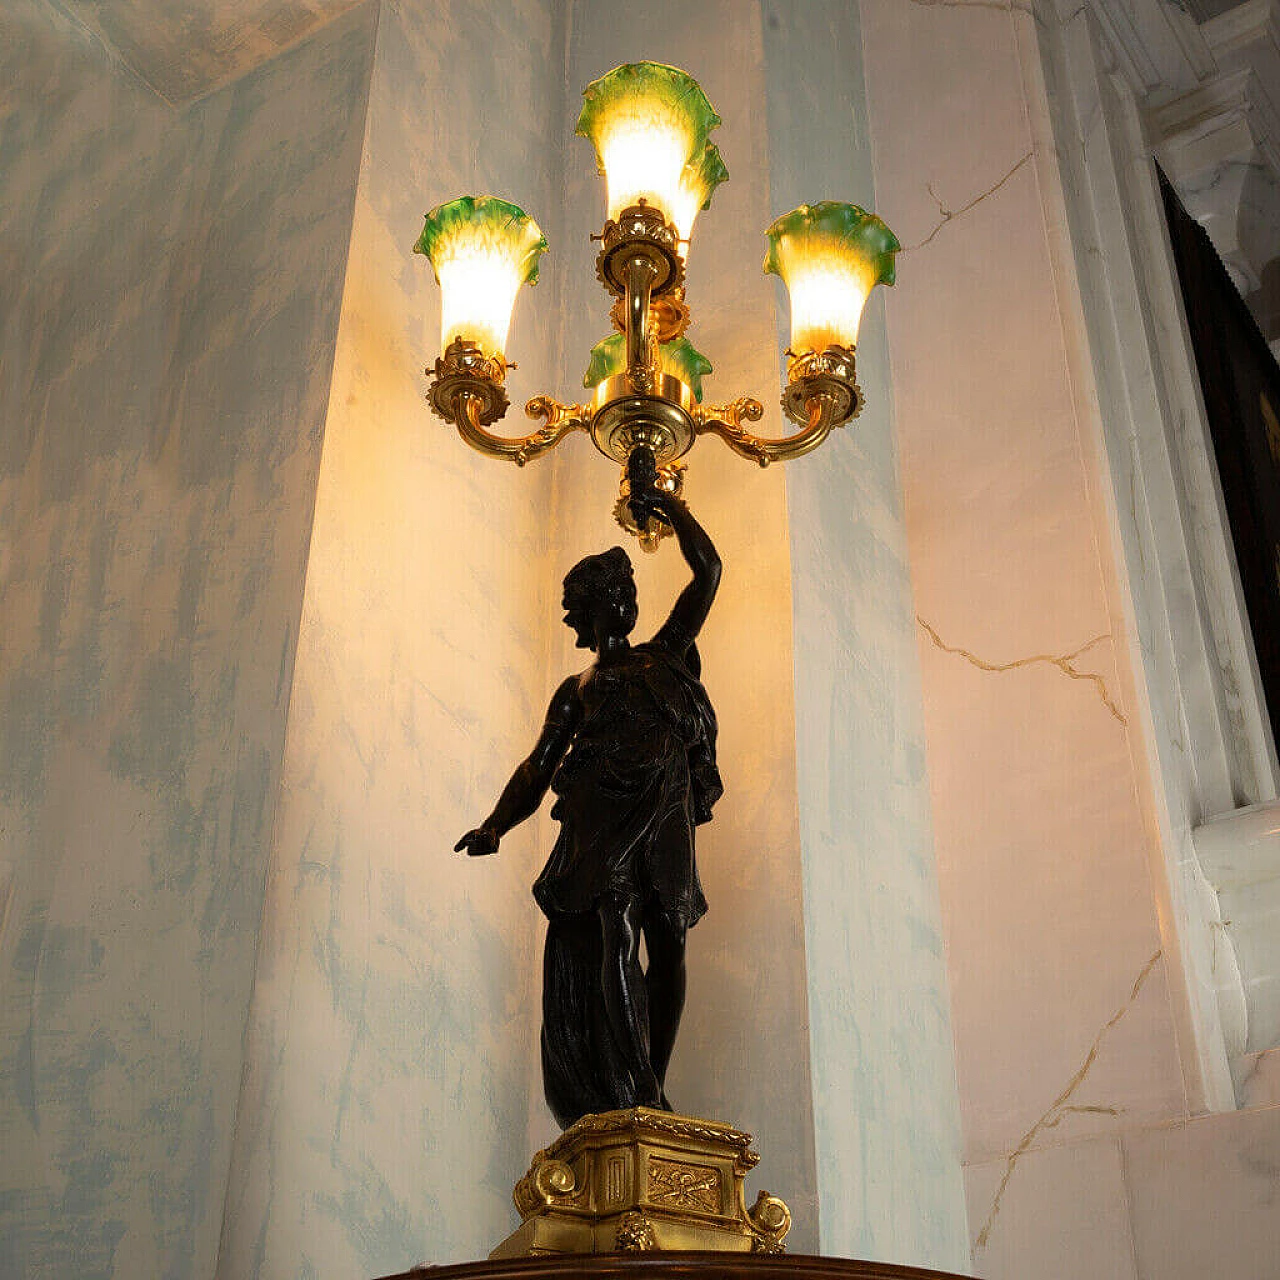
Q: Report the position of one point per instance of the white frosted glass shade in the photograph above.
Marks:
(693, 194)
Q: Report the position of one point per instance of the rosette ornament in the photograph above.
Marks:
(830, 256)
(482, 250)
(649, 124)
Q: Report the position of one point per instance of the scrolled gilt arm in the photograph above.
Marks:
(560, 421)
(725, 421)
(467, 388)
(824, 413)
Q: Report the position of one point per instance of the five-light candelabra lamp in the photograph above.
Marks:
(650, 125)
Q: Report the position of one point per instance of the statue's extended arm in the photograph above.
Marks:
(523, 794)
(694, 602)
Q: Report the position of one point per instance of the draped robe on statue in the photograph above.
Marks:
(638, 777)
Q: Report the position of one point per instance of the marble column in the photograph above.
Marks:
(390, 1062)
(882, 1058)
(170, 274)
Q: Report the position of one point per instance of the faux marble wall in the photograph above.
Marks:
(1041, 845)
(169, 286)
(1177, 1201)
(882, 1057)
(1076, 1115)
(390, 1092)
(391, 1060)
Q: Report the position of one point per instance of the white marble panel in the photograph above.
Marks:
(1058, 1214)
(1062, 1019)
(185, 48)
(1240, 857)
(1204, 1197)
(1039, 872)
(1196, 729)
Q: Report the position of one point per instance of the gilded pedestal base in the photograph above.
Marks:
(632, 1181)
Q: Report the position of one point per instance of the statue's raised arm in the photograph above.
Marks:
(694, 603)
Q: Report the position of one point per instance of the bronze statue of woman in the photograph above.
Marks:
(628, 747)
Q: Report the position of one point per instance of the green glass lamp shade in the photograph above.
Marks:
(482, 250)
(678, 359)
(830, 256)
(649, 124)
(697, 182)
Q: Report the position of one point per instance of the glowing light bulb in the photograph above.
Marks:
(830, 255)
(482, 250)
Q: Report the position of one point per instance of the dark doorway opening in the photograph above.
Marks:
(1241, 384)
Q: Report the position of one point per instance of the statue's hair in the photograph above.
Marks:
(608, 575)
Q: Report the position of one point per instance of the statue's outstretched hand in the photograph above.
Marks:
(478, 843)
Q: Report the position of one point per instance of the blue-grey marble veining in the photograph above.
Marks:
(391, 1066)
(183, 49)
(169, 295)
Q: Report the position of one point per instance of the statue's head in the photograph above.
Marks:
(600, 596)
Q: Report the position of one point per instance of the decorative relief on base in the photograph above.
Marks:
(615, 1181)
(686, 1186)
(635, 1234)
(641, 1179)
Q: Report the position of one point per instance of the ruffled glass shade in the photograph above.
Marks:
(482, 250)
(830, 256)
(649, 124)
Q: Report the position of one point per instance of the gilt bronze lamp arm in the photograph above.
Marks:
(650, 124)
